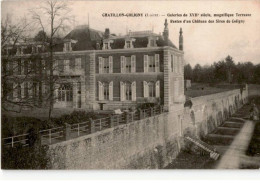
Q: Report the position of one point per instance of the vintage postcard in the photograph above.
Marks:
(110, 85)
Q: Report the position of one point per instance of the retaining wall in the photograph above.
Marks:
(148, 143)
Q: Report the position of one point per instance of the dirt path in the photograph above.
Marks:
(237, 150)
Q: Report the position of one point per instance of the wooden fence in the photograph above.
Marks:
(70, 131)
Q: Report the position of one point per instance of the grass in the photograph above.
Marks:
(201, 89)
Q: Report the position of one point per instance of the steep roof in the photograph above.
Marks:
(86, 38)
(141, 41)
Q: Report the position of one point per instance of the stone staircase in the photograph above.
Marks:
(206, 147)
(225, 133)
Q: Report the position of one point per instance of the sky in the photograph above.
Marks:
(203, 43)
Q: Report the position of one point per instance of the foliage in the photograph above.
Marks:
(224, 71)
(74, 117)
(33, 156)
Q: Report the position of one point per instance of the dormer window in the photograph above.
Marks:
(106, 44)
(152, 41)
(67, 46)
(19, 51)
(129, 42)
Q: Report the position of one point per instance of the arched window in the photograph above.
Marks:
(128, 91)
(106, 91)
(19, 91)
(65, 92)
(151, 89)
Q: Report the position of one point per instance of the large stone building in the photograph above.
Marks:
(99, 70)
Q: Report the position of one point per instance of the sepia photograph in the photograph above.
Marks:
(130, 85)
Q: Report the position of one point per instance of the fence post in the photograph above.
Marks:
(127, 118)
(132, 116)
(92, 126)
(151, 111)
(111, 119)
(67, 131)
(161, 109)
(49, 136)
(12, 141)
(117, 119)
(100, 125)
(140, 113)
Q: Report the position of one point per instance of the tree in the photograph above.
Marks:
(51, 18)
(14, 35)
(197, 74)
(229, 68)
(188, 72)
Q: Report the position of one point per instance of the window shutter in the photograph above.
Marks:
(100, 91)
(122, 91)
(145, 63)
(110, 64)
(22, 66)
(133, 63)
(133, 88)
(15, 91)
(145, 89)
(111, 90)
(100, 65)
(15, 67)
(157, 90)
(43, 89)
(157, 63)
(22, 90)
(30, 89)
(122, 64)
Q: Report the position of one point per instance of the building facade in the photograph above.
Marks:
(98, 70)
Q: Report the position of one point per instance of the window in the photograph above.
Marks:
(26, 93)
(152, 42)
(128, 91)
(78, 63)
(128, 44)
(151, 89)
(67, 46)
(66, 64)
(128, 64)
(106, 46)
(19, 65)
(19, 91)
(105, 65)
(65, 92)
(79, 95)
(61, 65)
(106, 91)
(9, 87)
(151, 62)
(35, 91)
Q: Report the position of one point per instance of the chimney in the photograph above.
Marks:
(166, 31)
(181, 40)
(107, 33)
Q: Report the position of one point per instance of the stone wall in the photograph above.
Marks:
(149, 143)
